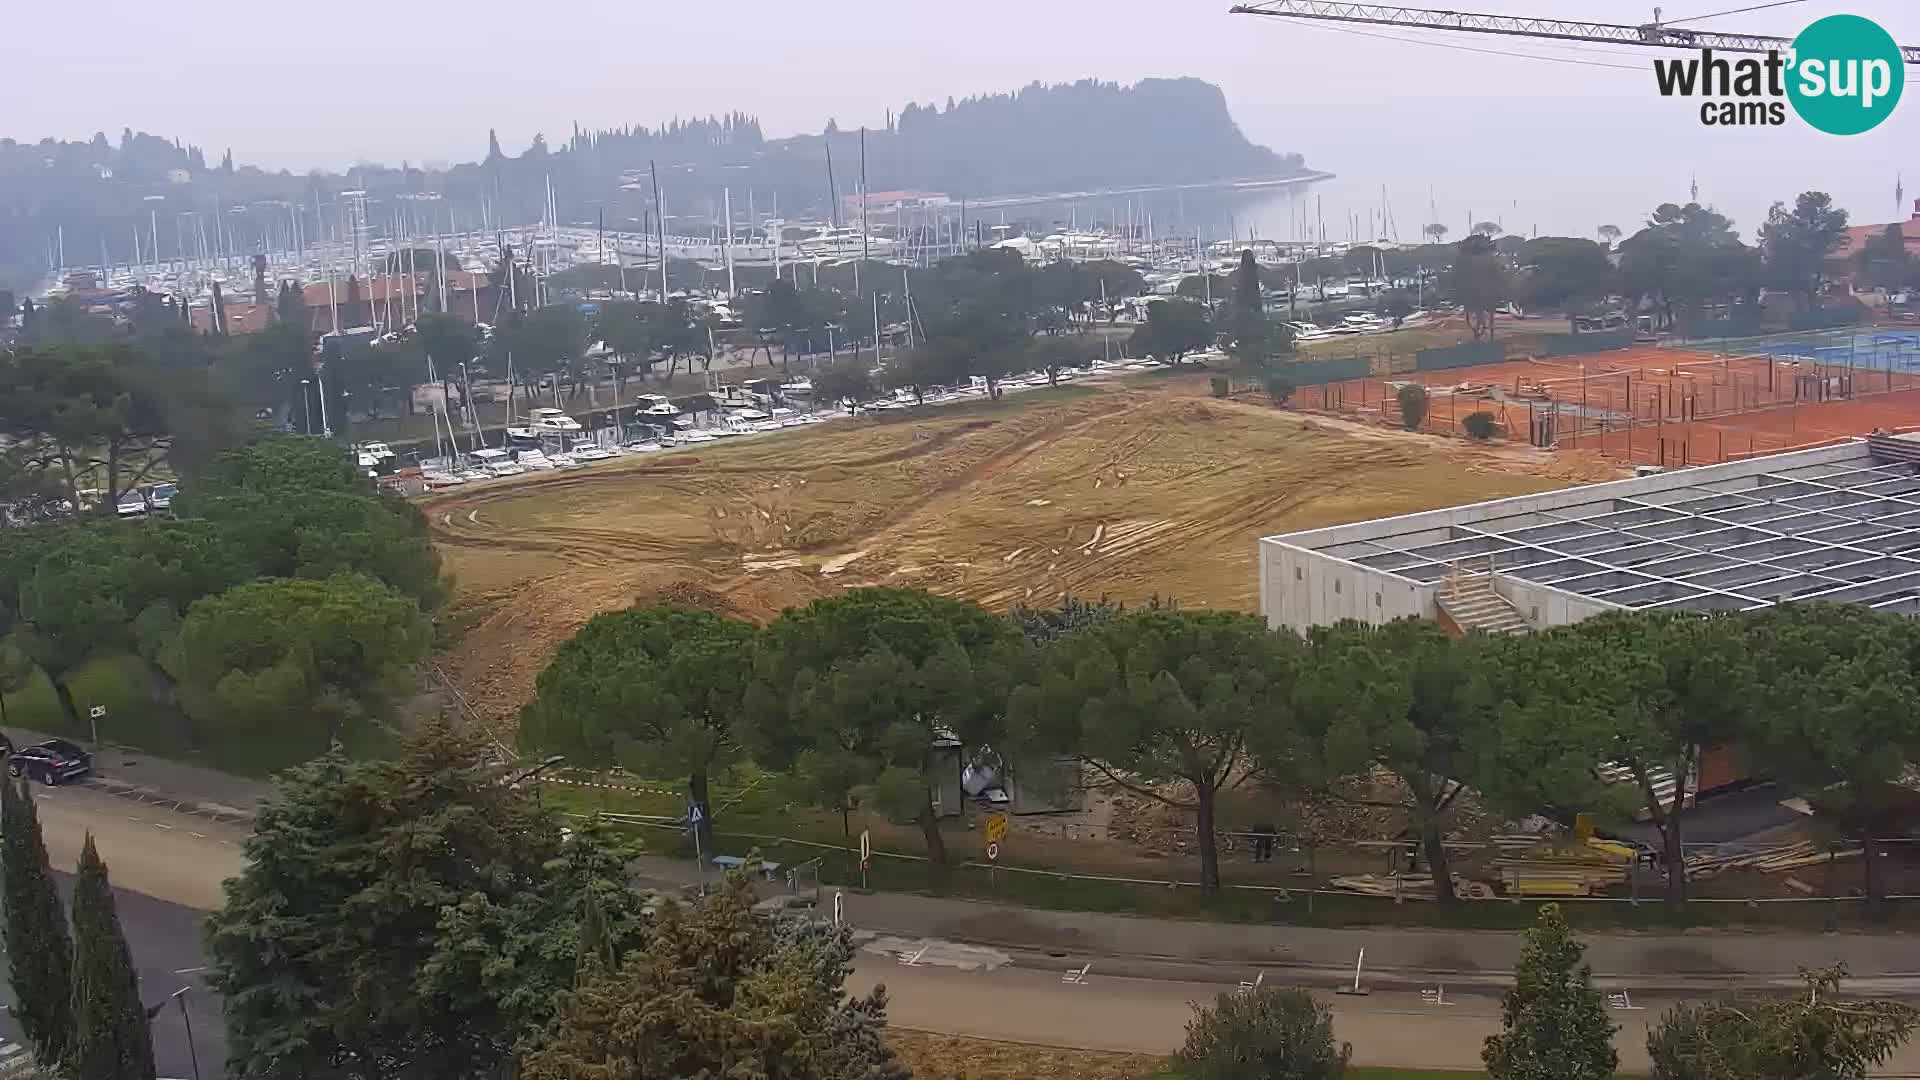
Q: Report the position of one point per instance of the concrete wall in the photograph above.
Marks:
(1545, 606)
(1301, 589)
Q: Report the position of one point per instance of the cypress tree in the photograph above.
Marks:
(1252, 336)
(39, 952)
(110, 1037)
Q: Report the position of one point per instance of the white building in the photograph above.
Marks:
(1838, 523)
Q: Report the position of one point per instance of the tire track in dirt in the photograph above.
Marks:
(994, 465)
(1230, 513)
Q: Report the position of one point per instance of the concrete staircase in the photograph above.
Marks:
(1469, 600)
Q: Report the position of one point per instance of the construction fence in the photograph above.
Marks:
(1653, 405)
(1792, 882)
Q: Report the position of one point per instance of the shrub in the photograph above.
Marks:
(1554, 1025)
(1413, 405)
(1220, 385)
(1279, 389)
(1753, 1037)
(1264, 1034)
(1478, 424)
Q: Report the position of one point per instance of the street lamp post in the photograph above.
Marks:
(306, 404)
(193, 1054)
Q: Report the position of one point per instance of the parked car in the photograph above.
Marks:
(6, 745)
(52, 762)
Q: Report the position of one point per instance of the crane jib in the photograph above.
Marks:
(1655, 35)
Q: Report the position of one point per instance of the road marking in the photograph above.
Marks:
(189, 971)
(7, 1050)
(199, 835)
(157, 825)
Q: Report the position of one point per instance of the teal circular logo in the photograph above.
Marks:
(1846, 75)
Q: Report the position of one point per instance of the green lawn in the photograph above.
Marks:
(133, 717)
(136, 721)
(754, 816)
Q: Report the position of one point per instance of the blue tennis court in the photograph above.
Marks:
(1877, 350)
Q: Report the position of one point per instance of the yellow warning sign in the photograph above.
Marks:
(996, 828)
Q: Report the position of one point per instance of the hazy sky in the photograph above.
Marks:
(1573, 142)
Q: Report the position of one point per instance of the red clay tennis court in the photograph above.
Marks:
(1647, 405)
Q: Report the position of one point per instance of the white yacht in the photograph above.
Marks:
(551, 422)
(843, 243)
(654, 405)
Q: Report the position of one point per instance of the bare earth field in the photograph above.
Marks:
(1133, 490)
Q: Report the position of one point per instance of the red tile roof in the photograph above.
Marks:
(1858, 235)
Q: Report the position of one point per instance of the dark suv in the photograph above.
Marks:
(52, 762)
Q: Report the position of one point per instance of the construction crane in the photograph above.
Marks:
(1655, 34)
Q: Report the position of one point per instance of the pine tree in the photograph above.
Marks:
(110, 1038)
(39, 952)
(717, 991)
(1554, 1025)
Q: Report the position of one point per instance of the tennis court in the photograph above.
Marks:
(1663, 405)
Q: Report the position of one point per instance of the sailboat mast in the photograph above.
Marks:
(660, 224)
(727, 198)
(865, 254)
(833, 192)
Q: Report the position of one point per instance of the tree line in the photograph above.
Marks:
(279, 608)
(846, 696)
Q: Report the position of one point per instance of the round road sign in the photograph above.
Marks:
(993, 852)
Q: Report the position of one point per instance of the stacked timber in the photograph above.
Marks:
(1408, 886)
(1775, 860)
